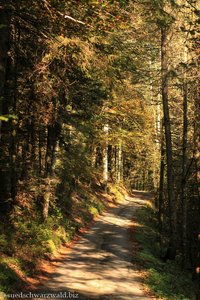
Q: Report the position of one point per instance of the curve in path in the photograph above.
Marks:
(100, 264)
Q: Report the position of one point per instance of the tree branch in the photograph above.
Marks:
(74, 20)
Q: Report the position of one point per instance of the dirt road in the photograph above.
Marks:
(100, 264)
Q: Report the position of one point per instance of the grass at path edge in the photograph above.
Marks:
(166, 280)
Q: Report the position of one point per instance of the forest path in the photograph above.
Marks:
(99, 266)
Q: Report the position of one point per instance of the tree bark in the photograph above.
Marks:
(161, 185)
(5, 19)
(52, 137)
(119, 166)
(168, 138)
(6, 107)
(46, 200)
(105, 156)
(184, 164)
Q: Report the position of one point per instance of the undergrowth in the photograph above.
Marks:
(166, 280)
(29, 238)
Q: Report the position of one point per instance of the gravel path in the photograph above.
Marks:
(100, 264)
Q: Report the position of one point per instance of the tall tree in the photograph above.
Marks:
(5, 108)
(168, 138)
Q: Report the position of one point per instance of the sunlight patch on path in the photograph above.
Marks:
(100, 264)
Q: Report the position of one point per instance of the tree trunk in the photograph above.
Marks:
(111, 161)
(105, 156)
(5, 19)
(52, 137)
(161, 186)
(33, 138)
(119, 167)
(93, 156)
(46, 200)
(195, 232)
(40, 150)
(168, 138)
(184, 164)
(6, 107)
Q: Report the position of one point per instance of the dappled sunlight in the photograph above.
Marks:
(100, 263)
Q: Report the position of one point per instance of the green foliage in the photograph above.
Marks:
(95, 207)
(30, 238)
(8, 276)
(2, 26)
(166, 280)
(170, 282)
(8, 117)
(66, 77)
(3, 242)
(114, 190)
(36, 238)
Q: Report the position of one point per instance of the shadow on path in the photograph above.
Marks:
(100, 264)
